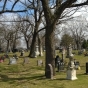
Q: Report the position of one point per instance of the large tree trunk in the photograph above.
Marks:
(40, 46)
(33, 44)
(27, 44)
(50, 49)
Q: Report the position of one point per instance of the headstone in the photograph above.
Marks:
(63, 54)
(71, 71)
(37, 50)
(12, 61)
(60, 66)
(26, 60)
(50, 71)
(69, 51)
(39, 63)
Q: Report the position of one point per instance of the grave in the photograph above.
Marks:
(63, 54)
(69, 51)
(26, 60)
(60, 66)
(71, 71)
(12, 61)
(39, 63)
(50, 71)
(37, 50)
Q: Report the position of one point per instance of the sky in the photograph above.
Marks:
(83, 11)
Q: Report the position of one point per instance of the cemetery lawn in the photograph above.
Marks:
(32, 76)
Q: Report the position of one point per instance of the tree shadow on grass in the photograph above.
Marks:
(5, 78)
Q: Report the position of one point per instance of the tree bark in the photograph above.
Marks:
(50, 49)
(33, 44)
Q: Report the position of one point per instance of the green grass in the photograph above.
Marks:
(32, 76)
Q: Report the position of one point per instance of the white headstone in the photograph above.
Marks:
(12, 61)
(37, 50)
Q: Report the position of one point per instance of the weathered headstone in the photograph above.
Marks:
(63, 54)
(37, 50)
(39, 63)
(26, 60)
(12, 61)
(50, 71)
(69, 51)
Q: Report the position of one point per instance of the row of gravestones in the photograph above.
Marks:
(14, 59)
(25, 61)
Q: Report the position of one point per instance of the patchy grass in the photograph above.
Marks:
(32, 76)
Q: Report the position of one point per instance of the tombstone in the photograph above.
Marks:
(37, 50)
(26, 60)
(63, 54)
(71, 71)
(39, 63)
(12, 61)
(60, 66)
(50, 71)
(69, 51)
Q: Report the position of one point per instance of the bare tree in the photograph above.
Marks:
(51, 20)
(78, 28)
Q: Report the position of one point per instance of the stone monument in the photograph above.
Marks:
(69, 51)
(37, 50)
(63, 54)
(71, 70)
